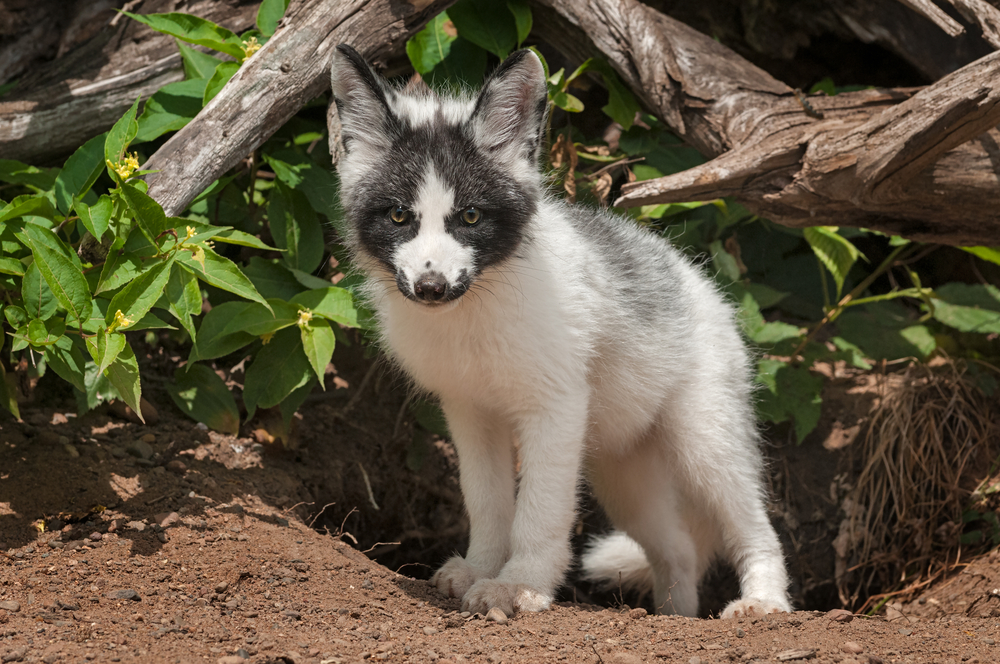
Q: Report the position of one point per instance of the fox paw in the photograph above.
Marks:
(487, 594)
(753, 606)
(456, 576)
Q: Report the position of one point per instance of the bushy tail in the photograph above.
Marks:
(617, 559)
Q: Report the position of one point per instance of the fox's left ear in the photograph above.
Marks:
(510, 110)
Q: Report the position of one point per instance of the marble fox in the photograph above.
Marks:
(564, 337)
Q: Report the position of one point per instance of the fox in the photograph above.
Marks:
(565, 344)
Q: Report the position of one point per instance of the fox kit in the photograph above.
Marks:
(592, 345)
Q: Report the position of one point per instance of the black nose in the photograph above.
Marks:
(431, 287)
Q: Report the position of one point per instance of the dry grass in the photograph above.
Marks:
(932, 442)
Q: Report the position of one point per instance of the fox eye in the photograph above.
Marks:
(399, 215)
(471, 215)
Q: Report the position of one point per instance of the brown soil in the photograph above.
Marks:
(168, 543)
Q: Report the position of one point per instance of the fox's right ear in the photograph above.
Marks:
(362, 102)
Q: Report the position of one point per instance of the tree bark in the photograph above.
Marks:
(874, 159)
(58, 107)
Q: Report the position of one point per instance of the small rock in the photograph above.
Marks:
(176, 466)
(288, 613)
(367, 584)
(118, 452)
(59, 418)
(905, 631)
(15, 655)
(789, 655)
(988, 641)
(125, 593)
(231, 659)
(694, 660)
(221, 587)
(852, 648)
(465, 614)
(11, 606)
(162, 537)
(636, 614)
(95, 537)
(149, 439)
(55, 544)
(243, 653)
(631, 658)
(740, 633)
(840, 615)
(140, 449)
(71, 450)
(497, 616)
(428, 630)
(165, 519)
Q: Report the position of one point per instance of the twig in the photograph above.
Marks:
(368, 485)
(318, 514)
(296, 505)
(379, 544)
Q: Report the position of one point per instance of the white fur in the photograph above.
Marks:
(603, 354)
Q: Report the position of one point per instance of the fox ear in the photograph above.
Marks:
(362, 101)
(510, 110)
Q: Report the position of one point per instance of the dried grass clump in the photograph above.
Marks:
(932, 440)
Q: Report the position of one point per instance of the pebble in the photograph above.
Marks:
(497, 616)
(11, 606)
(71, 449)
(96, 537)
(136, 525)
(176, 466)
(465, 614)
(789, 655)
(905, 631)
(428, 630)
(55, 544)
(852, 648)
(840, 615)
(15, 655)
(988, 641)
(166, 519)
(162, 537)
(740, 633)
(148, 439)
(125, 593)
(140, 449)
(231, 659)
(636, 614)
(222, 586)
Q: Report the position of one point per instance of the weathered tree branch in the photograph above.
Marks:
(934, 13)
(60, 106)
(291, 69)
(872, 160)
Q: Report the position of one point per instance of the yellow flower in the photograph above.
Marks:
(250, 46)
(266, 337)
(120, 321)
(304, 317)
(125, 168)
(190, 234)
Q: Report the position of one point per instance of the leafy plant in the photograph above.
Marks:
(89, 257)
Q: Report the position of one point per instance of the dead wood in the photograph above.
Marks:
(873, 160)
(292, 68)
(59, 106)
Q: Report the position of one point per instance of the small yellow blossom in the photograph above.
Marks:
(125, 168)
(190, 230)
(266, 338)
(250, 46)
(304, 317)
(120, 321)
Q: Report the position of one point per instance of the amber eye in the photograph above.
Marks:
(471, 215)
(399, 215)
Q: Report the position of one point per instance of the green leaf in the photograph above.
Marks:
(884, 330)
(39, 301)
(968, 307)
(233, 236)
(80, 172)
(120, 267)
(257, 321)
(8, 397)
(836, 252)
(172, 107)
(149, 216)
(138, 297)
(123, 374)
(60, 267)
(121, 135)
(216, 336)
(147, 322)
(11, 266)
(295, 228)
(622, 105)
(567, 102)
(522, 18)
(280, 367)
(16, 316)
(184, 298)
(851, 353)
(464, 67)
(221, 273)
(318, 183)
(429, 415)
(203, 396)
(67, 360)
(294, 401)
(269, 15)
(105, 348)
(46, 332)
(333, 303)
(486, 23)
(193, 30)
(196, 64)
(989, 254)
(15, 172)
(429, 47)
(95, 218)
(37, 205)
(223, 72)
(272, 279)
(318, 343)
(791, 392)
